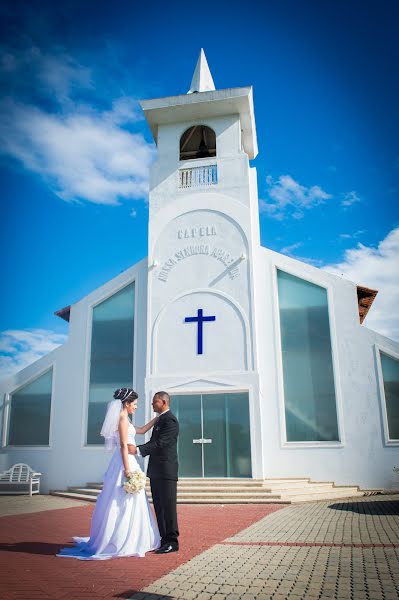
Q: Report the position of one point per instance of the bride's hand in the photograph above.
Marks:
(127, 474)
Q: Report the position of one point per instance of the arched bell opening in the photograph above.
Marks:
(198, 141)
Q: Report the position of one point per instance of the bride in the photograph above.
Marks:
(122, 524)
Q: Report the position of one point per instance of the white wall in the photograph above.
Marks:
(362, 457)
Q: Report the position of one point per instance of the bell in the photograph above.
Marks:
(203, 150)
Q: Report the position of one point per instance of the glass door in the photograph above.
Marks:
(226, 422)
(214, 439)
(189, 414)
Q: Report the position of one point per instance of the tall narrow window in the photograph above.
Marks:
(29, 423)
(390, 374)
(309, 393)
(111, 360)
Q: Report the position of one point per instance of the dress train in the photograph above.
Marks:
(122, 524)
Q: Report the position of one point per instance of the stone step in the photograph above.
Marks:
(242, 482)
(236, 500)
(66, 494)
(227, 483)
(224, 480)
(287, 485)
(210, 482)
(220, 489)
(199, 487)
(285, 479)
(321, 489)
(226, 495)
(310, 488)
(85, 490)
(220, 484)
(331, 495)
(237, 490)
(196, 494)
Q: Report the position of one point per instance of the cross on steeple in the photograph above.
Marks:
(199, 319)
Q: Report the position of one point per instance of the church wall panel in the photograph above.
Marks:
(362, 457)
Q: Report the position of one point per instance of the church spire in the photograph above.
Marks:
(202, 79)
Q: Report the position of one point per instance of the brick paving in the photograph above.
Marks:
(338, 550)
(357, 521)
(18, 505)
(28, 544)
(341, 550)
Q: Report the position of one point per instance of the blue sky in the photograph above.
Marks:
(75, 149)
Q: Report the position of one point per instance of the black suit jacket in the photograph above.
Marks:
(162, 448)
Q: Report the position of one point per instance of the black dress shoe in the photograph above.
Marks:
(166, 549)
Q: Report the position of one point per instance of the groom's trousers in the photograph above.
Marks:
(164, 492)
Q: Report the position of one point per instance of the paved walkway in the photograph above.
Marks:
(29, 569)
(343, 550)
(19, 505)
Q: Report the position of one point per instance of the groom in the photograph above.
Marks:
(162, 471)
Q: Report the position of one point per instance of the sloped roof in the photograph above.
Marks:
(365, 298)
(64, 313)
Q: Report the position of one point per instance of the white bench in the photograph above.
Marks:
(20, 475)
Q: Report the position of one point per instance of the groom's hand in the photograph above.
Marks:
(132, 449)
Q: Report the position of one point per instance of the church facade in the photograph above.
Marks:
(270, 370)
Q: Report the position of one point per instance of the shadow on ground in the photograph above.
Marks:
(381, 507)
(32, 548)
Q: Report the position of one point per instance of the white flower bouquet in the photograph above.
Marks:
(135, 482)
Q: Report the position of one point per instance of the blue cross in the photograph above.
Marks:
(200, 320)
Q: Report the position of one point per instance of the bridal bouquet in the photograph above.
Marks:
(135, 482)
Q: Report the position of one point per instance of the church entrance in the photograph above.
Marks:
(214, 439)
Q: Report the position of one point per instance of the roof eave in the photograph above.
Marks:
(64, 313)
(200, 105)
(365, 298)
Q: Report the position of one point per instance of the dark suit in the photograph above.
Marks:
(163, 473)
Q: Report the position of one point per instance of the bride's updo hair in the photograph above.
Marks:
(125, 395)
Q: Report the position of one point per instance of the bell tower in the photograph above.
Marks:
(203, 237)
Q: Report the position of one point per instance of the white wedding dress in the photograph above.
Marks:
(122, 524)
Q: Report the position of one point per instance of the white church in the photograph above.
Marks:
(271, 372)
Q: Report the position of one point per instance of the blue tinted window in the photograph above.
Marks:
(309, 393)
(29, 423)
(390, 373)
(111, 360)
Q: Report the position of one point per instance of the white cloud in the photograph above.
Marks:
(82, 153)
(377, 268)
(349, 199)
(55, 75)
(82, 156)
(289, 249)
(20, 348)
(352, 236)
(287, 196)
